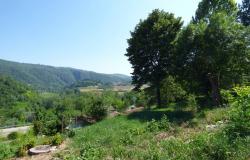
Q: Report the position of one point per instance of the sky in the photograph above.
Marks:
(84, 34)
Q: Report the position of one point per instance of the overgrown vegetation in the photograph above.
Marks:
(196, 103)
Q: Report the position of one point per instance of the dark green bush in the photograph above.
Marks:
(13, 135)
(71, 133)
(127, 139)
(171, 91)
(97, 110)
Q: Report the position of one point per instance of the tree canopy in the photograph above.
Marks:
(244, 12)
(151, 48)
(207, 8)
(216, 52)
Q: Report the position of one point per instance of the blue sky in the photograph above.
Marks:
(84, 34)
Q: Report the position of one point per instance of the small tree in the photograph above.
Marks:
(151, 48)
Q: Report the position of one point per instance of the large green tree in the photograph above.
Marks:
(244, 12)
(215, 52)
(151, 48)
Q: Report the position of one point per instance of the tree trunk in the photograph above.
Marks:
(214, 82)
(158, 96)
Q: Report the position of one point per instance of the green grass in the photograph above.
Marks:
(127, 137)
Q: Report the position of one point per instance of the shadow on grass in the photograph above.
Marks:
(176, 116)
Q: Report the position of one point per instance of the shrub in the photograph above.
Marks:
(97, 110)
(127, 139)
(136, 131)
(171, 91)
(239, 125)
(22, 151)
(57, 139)
(30, 143)
(226, 96)
(5, 151)
(71, 133)
(152, 126)
(163, 124)
(90, 152)
(190, 102)
(13, 135)
(194, 122)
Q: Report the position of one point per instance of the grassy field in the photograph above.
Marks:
(136, 136)
(115, 88)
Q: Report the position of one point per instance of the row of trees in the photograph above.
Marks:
(210, 53)
(56, 112)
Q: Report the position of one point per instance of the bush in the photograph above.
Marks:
(57, 140)
(97, 110)
(13, 135)
(226, 96)
(22, 151)
(239, 125)
(71, 133)
(163, 124)
(190, 102)
(5, 151)
(30, 143)
(171, 91)
(194, 122)
(90, 152)
(127, 139)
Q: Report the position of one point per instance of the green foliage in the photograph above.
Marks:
(240, 115)
(47, 122)
(244, 12)
(5, 151)
(71, 133)
(151, 48)
(97, 109)
(47, 78)
(207, 8)
(22, 151)
(191, 103)
(57, 139)
(16, 102)
(90, 152)
(13, 135)
(221, 54)
(171, 91)
(155, 126)
(226, 96)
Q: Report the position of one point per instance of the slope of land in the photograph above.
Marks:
(137, 136)
(50, 78)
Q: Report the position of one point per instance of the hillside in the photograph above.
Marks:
(15, 102)
(50, 78)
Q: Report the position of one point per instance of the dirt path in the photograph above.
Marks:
(5, 132)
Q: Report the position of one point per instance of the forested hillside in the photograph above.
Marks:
(50, 78)
(16, 101)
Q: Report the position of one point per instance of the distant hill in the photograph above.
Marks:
(48, 78)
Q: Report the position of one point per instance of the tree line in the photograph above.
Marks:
(209, 54)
